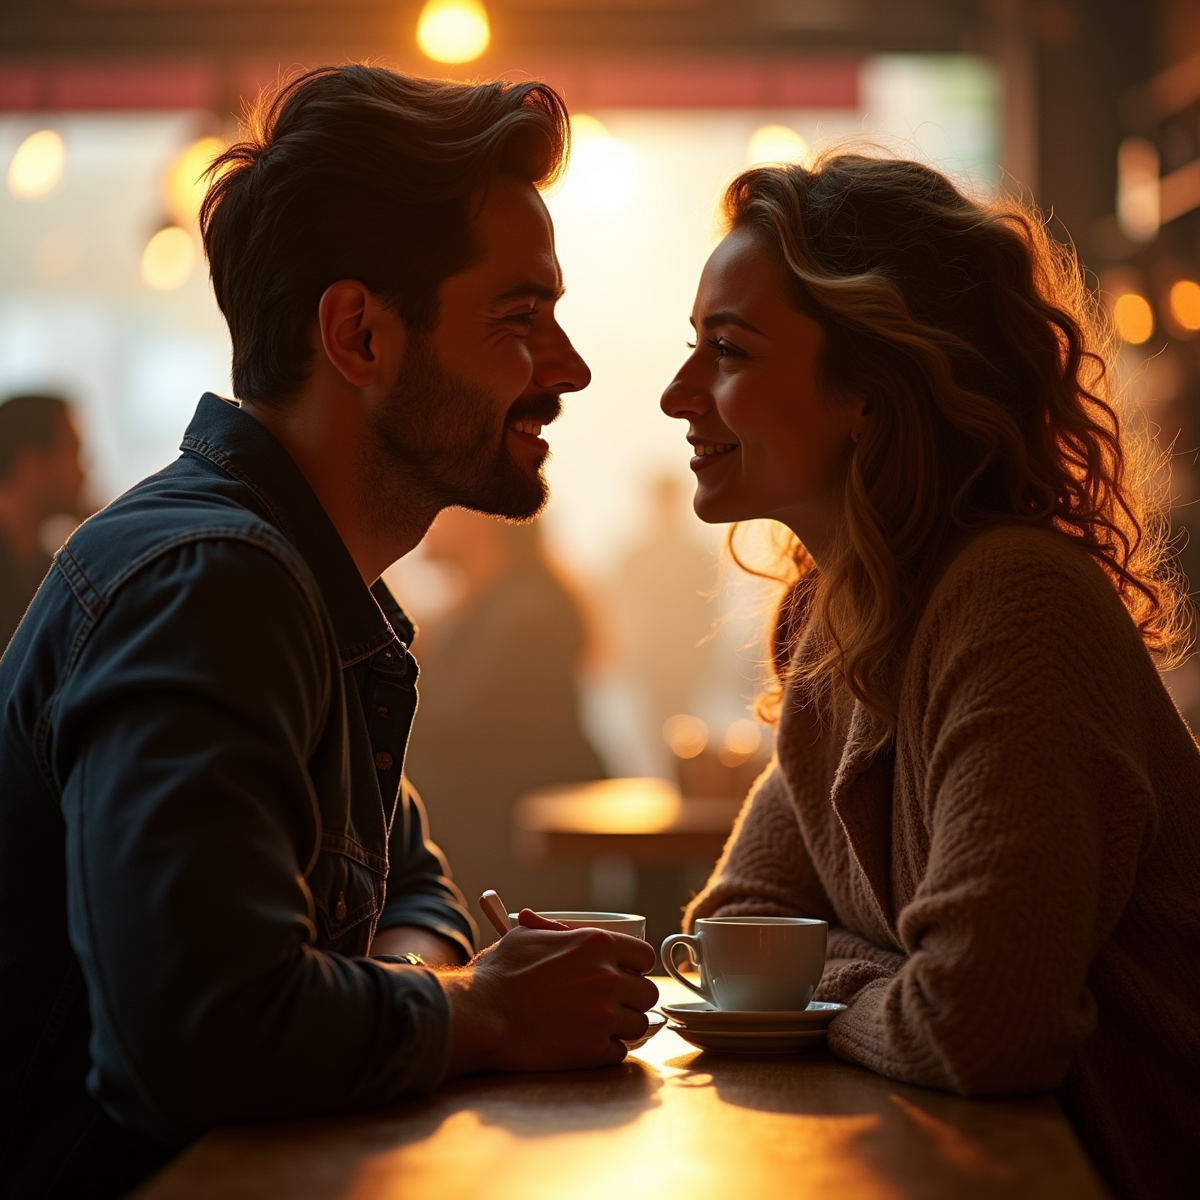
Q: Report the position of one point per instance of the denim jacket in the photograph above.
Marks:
(203, 822)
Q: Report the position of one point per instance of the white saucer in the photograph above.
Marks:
(657, 1021)
(700, 1015)
(771, 1041)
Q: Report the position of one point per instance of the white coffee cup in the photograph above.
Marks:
(753, 964)
(629, 923)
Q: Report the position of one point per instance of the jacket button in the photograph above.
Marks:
(339, 910)
(383, 761)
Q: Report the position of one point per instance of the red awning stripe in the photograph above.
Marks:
(112, 86)
(586, 83)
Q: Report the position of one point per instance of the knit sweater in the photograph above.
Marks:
(1013, 886)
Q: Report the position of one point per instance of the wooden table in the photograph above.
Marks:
(670, 1123)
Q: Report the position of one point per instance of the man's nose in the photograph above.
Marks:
(561, 367)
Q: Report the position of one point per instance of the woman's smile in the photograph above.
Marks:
(769, 438)
(707, 452)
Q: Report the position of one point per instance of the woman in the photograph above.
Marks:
(981, 782)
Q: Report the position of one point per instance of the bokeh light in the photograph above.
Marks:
(642, 805)
(776, 144)
(586, 128)
(742, 740)
(1183, 300)
(453, 31)
(605, 173)
(37, 166)
(184, 185)
(1133, 317)
(686, 735)
(169, 259)
(1139, 198)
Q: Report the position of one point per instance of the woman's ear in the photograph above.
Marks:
(862, 410)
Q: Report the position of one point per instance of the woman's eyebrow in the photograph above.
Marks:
(728, 317)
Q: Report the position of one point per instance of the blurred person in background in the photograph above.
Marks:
(40, 478)
(666, 615)
(499, 710)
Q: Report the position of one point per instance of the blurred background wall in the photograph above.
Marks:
(110, 108)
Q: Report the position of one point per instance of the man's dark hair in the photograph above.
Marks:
(32, 419)
(357, 172)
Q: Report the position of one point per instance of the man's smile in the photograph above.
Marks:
(527, 419)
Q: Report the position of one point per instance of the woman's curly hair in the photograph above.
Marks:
(985, 365)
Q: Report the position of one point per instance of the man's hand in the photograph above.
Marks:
(408, 939)
(547, 998)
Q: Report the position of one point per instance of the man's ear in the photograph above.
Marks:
(362, 338)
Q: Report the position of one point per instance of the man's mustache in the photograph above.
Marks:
(543, 408)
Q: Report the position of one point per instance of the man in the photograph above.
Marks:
(203, 826)
(40, 477)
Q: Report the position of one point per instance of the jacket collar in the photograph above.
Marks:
(364, 619)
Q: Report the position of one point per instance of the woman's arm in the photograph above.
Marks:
(765, 869)
(1027, 752)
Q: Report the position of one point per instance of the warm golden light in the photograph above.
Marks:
(687, 736)
(169, 259)
(1133, 317)
(742, 739)
(1184, 303)
(453, 31)
(1139, 195)
(37, 165)
(586, 128)
(604, 173)
(609, 806)
(184, 186)
(776, 144)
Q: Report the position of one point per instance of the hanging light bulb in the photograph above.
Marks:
(184, 185)
(37, 165)
(453, 31)
(169, 259)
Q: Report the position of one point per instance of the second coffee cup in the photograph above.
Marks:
(753, 964)
(629, 923)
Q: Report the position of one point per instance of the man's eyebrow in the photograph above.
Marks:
(728, 317)
(534, 290)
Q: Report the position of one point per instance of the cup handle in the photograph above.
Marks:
(668, 959)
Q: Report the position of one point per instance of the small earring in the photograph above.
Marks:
(855, 436)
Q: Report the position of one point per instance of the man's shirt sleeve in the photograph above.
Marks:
(190, 825)
(419, 888)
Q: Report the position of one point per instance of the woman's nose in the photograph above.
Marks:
(682, 399)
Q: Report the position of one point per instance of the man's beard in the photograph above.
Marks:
(442, 437)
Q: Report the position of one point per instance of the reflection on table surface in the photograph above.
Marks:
(668, 1122)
